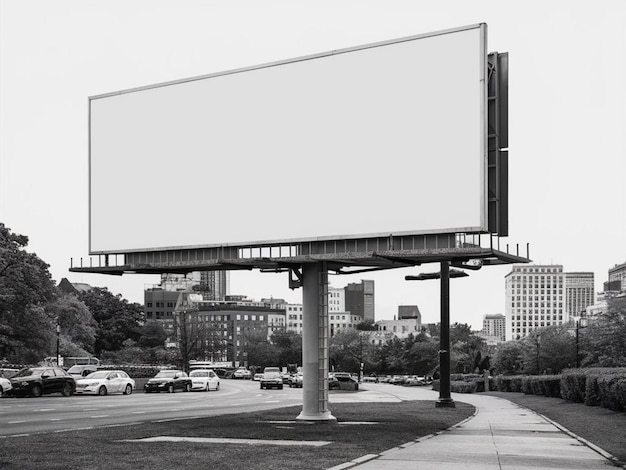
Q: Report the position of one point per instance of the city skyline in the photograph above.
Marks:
(567, 115)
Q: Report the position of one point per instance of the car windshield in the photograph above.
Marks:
(199, 373)
(167, 373)
(29, 372)
(102, 374)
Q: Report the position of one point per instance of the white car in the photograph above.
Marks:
(204, 379)
(103, 382)
(5, 386)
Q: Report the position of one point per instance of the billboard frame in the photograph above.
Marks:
(482, 227)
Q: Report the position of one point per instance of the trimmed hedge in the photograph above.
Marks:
(595, 386)
(546, 385)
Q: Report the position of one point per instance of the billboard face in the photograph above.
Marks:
(382, 139)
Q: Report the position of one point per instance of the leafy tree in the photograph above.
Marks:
(604, 339)
(78, 327)
(152, 335)
(508, 358)
(422, 357)
(348, 350)
(549, 350)
(366, 325)
(289, 344)
(117, 319)
(26, 332)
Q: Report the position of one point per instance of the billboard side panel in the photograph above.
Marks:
(343, 145)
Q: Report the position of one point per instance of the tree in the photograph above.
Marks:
(604, 339)
(422, 356)
(508, 358)
(152, 335)
(289, 344)
(117, 319)
(26, 332)
(549, 350)
(78, 327)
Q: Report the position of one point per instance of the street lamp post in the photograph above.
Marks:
(58, 336)
(445, 400)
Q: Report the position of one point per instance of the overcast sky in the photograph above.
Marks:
(567, 118)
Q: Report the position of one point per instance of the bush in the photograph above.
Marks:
(544, 385)
(573, 384)
(512, 383)
(612, 391)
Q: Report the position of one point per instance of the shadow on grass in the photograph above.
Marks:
(394, 424)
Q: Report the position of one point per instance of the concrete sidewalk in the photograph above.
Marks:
(501, 435)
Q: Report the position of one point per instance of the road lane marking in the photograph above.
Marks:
(214, 440)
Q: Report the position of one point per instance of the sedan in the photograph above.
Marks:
(37, 381)
(168, 381)
(204, 379)
(103, 382)
(5, 386)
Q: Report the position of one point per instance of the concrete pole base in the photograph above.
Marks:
(325, 416)
(445, 403)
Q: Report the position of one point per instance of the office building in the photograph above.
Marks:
(359, 300)
(579, 293)
(494, 325)
(534, 299)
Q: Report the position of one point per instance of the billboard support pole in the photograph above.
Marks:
(445, 400)
(315, 343)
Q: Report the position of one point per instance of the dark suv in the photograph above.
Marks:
(38, 381)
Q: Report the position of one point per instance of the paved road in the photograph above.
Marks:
(54, 413)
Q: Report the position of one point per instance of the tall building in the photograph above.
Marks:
(579, 293)
(495, 325)
(215, 285)
(360, 299)
(534, 299)
(617, 274)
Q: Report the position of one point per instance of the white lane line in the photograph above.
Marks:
(100, 416)
(211, 440)
(16, 422)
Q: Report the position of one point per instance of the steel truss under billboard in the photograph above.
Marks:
(385, 139)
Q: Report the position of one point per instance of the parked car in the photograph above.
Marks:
(204, 379)
(295, 381)
(103, 382)
(286, 376)
(82, 370)
(342, 382)
(257, 377)
(37, 381)
(271, 378)
(242, 373)
(5, 386)
(168, 381)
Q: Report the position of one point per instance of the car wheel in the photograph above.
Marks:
(102, 391)
(36, 391)
(128, 390)
(170, 389)
(67, 390)
(261, 386)
(217, 387)
(188, 388)
(280, 387)
(207, 387)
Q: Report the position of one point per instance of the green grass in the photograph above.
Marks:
(396, 424)
(600, 426)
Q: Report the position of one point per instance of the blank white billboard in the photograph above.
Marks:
(386, 138)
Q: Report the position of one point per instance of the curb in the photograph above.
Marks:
(368, 457)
